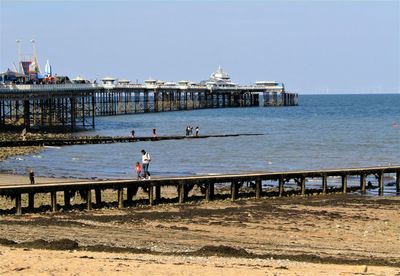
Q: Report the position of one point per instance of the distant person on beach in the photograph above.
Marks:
(31, 176)
(187, 130)
(133, 133)
(191, 130)
(154, 133)
(138, 168)
(197, 131)
(146, 159)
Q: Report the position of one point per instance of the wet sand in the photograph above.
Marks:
(313, 235)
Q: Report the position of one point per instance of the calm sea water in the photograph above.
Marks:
(324, 131)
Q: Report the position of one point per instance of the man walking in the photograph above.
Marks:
(146, 159)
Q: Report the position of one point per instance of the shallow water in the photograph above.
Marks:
(324, 131)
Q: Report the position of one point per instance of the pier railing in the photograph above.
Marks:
(47, 87)
(83, 86)
(205, 182)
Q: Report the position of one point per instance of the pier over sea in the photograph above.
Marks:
(74, 106)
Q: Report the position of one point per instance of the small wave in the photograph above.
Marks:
(52, 147)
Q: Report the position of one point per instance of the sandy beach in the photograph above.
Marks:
(35, 261)
(333, 235)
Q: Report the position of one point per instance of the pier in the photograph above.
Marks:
(74, 106)
(125, 190)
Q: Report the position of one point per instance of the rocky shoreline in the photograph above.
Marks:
(7, 152)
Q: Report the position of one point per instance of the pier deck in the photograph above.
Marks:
(207, 182)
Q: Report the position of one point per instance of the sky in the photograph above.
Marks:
(311, 46)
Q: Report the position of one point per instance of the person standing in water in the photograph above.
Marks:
(197, 131)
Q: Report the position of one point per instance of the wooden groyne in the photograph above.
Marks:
(108, 140)
(206, 183)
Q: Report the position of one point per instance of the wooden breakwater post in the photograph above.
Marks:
(381, 183)
(398, 182)
(67, 199)
(120, 198)
(258, 188)
(234, 190)
(185, 184)
(344, 184)
(98, 196)
(18, 204)
(363, 182)
(302, 185)
(281, 187)
(53, 200)
(88, 199)
(324, 184)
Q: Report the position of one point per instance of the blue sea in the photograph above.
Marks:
(324, 131)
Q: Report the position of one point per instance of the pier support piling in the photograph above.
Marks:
(18, 204)
(258, 188)
(53, 199)
(344, 184)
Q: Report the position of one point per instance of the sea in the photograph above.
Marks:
(323, 132)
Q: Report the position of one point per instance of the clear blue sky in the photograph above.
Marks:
(311, 46)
